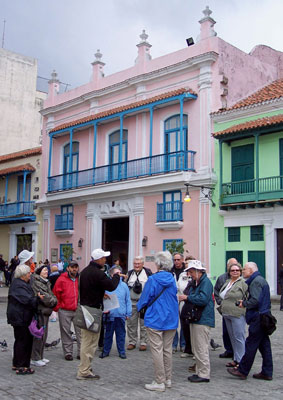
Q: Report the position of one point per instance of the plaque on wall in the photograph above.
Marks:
(54, 255)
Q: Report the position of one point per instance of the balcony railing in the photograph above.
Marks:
(169, 211)
(147, 166)
(253, 190)
(19, 209)
(64, 222)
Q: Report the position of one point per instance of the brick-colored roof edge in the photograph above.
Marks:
(18, 168)
(251, 125)
(130, 106)
(269, 92)
(20, 154)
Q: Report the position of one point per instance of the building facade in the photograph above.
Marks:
(249, 163)
(118, 150)
(20, 220)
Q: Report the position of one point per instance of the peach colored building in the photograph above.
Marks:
(118, 150)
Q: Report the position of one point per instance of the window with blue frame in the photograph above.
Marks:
(64, 221)
(175, 142)
(116, 170)
(172, 207)
(234, 234)
(256, 233)
(169, 242)
(71, 165)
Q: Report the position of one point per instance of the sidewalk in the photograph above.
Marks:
(125, 379)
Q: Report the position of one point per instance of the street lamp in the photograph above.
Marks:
(206, 191)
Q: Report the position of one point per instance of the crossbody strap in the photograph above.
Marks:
(150, 304)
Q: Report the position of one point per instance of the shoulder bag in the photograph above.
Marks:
(143, 310)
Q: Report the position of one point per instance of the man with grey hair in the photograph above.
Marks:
(137, 277)
(257, 304)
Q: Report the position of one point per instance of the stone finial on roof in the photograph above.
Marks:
(143, 50)
(98, 56)
(54, 77)
(207, 25)
(143, 36)
(53, 85)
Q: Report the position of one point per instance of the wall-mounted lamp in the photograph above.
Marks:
(144, 241)
(80, 242)
(206, 191)
(190, 41)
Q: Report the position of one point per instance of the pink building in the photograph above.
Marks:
(118, 150)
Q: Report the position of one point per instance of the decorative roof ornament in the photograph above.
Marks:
(207, 12)
(98, 56)
(207, 25)
(54, 77)
(143, 36)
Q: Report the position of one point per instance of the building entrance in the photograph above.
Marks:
(24, 242)
(115, 238)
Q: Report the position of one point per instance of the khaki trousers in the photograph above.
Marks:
(65, 320)
(132, 327)
(89, 342)
(161, 351)
(200, 346)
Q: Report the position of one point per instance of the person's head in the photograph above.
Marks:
(230, 262)
(42, 271)
(99, 256)
(26, 257)
(23, 272)
(187, 259)
(73, 269)
(114, 270)
(117, 262)
(195, 269)
(1, 255)
(54, 268)
(138, 263)
(235, 271)
(178, 260)
(59, 260)
(249, 268)
(163, 261)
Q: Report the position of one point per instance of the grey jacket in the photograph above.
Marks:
(49, 300)
(238, 291)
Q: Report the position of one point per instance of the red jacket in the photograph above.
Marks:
(66, 290)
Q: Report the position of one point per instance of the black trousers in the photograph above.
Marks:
(22, 346)
(187, 336)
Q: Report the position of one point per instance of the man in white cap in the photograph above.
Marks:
(93, 283)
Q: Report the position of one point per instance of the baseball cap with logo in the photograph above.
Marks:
(99, 253)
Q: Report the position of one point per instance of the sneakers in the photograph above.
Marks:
(186, 355)
(168, 383)
(38, 363)
(154, 386)
(45, 360)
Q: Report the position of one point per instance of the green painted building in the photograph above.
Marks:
(247, 222)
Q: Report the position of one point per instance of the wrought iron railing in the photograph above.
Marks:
(169, 211)
(19, 208)
(147, 166)
(263, 188)
(64, 221)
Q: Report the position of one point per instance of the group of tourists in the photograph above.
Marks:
(175, 305)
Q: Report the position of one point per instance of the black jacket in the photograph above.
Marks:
(93, 283)
(218, 285)
(22, 303)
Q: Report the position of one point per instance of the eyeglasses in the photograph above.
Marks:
(177, 259)
(234, 270)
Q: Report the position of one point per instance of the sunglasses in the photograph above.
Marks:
(234, 270)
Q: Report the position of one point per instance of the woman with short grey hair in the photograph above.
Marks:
(21, 271)
(161, 319)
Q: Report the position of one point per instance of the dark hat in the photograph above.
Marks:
(39, 269)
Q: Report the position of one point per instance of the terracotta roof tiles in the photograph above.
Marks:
(20, 154)
(251, 125)
(116, 110)
(18, 168)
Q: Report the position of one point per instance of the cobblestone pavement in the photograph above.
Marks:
(125, 379)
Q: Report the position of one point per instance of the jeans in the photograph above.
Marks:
(226, 338)
(117, 326)
(257, 340)
(237, 332)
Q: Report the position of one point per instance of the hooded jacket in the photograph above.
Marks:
(163, 314)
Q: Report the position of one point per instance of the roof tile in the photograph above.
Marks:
(18, 168)
(20, 154)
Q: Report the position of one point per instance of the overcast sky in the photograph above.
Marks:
(64, 34)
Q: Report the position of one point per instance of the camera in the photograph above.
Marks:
(237, 303)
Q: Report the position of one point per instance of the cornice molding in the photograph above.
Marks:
(189, 63)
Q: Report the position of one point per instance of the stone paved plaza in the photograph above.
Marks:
(125, 379)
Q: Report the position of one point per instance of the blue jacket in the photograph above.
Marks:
(163, 314)
(201, 295)
(125, 309)
(259, 297)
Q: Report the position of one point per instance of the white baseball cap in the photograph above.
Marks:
(99, 253)
(195, 264)
(25, 255)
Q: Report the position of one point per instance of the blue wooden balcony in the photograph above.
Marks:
(20, 211)
(64, 221)
(169, 211)
(253, 190)
(147, 166)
